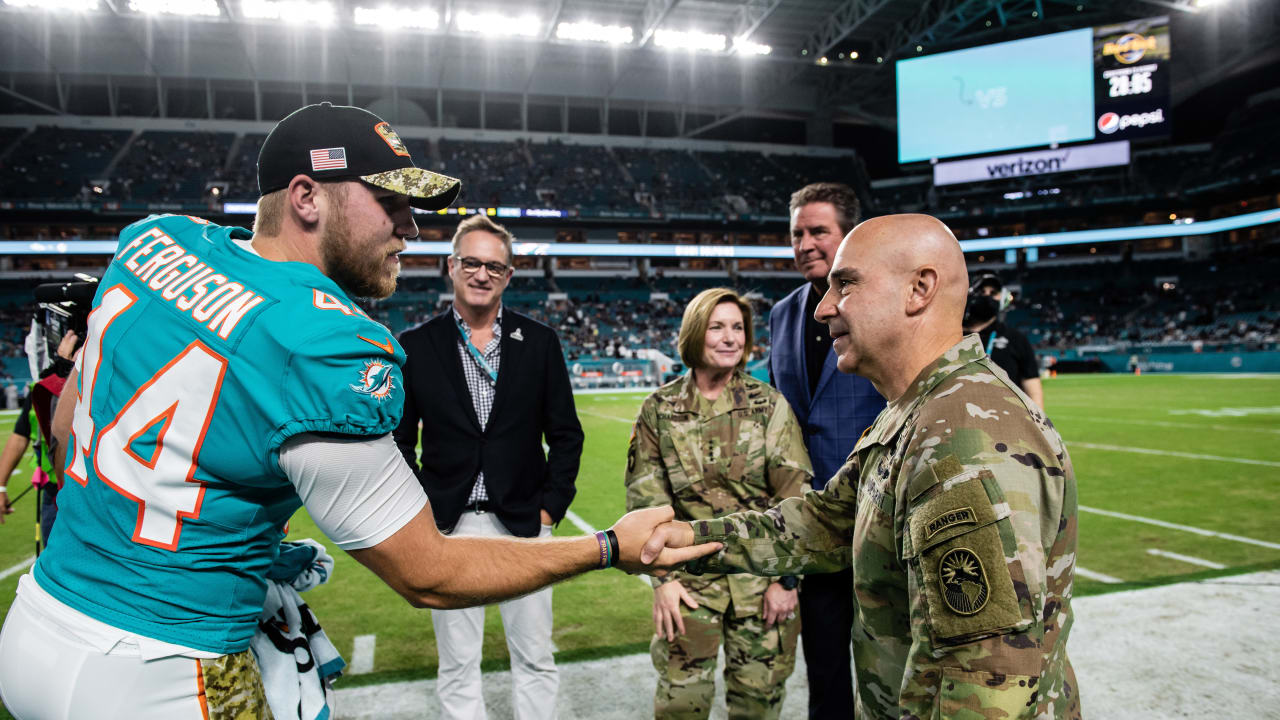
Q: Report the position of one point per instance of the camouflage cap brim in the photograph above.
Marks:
(426, 190)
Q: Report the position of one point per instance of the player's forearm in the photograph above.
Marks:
(65, 411)
(484, 570)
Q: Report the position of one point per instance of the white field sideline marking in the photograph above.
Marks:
(362, 654)
(19, 567)
(1170, 424)
(1174, 453)
(1185, 558)
(1097, 576)
(606, 416)
(1185, 528)
(611, 391)
(582, 525)
(586, 528)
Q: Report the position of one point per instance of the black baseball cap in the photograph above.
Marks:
(340, 142)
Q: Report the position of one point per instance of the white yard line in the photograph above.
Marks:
(362, 654)
(19, 567)
(1100, 577)
(578, 522)
(615, 391)
(1166, 423)
(1185, 558)
(586, 529)
(606, 416)
(1184, 528)
(1173, 453)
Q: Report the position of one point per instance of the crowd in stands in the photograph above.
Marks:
(167, 166)
(56, 164)
(1226, 299)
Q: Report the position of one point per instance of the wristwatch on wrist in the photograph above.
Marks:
(789, 582)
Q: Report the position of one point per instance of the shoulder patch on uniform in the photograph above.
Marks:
(963, 581)
(375, 380)
(958, 516)
(947, 468)
(938, 472)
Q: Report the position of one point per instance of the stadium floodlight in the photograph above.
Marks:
(743, 46)
(594, 32)
(206, 8)
(290, 11)
(393, 17)
(71, 5)
(492, 23)
(690, 40)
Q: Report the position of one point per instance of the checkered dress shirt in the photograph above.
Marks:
(481, 387)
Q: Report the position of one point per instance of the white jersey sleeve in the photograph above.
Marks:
(359, 491)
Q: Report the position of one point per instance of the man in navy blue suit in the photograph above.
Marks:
(833, 409)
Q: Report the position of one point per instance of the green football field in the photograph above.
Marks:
(1179, 478)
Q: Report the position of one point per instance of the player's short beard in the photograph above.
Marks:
(357, 268)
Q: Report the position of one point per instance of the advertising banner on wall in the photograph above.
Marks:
(1031, 164)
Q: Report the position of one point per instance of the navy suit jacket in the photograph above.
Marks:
(834, 416)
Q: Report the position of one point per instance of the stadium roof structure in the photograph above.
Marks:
(708, 63)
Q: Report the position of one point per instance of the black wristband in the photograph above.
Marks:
(613, 546)
(789, 582)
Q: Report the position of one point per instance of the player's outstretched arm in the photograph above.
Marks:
(60, 427)
(433, 570)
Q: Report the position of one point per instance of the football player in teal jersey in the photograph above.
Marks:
(227, 379)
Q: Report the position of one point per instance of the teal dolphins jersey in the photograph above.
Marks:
(201, 359)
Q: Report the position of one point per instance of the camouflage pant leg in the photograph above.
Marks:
(757, 665)
(687, 667)
(232, 688)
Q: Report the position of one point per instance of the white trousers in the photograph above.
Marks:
(460, 635)
(48, 673)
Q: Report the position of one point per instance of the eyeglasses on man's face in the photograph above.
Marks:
(471, 265)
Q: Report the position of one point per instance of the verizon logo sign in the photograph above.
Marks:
(1040, 162)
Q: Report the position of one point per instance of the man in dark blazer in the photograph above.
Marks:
(833, 409)
(489, 385)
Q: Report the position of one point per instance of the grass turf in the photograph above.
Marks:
(1232, 419)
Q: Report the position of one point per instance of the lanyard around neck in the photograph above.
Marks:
(475, 352)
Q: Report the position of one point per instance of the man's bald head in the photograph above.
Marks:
(909, 243)
(897, 293)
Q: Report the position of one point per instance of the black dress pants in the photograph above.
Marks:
(826, 612)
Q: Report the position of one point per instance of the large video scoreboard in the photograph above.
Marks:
(1131, 85)
(1104, 83)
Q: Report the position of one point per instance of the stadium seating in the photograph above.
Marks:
(163, 165)
(58, 163)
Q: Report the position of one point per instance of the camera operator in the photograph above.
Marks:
(1007, 347)
(20, 440)
(55, 336)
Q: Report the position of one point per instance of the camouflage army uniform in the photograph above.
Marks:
(957, 512)
(709, 458)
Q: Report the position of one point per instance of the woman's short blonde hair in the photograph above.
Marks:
(697, 316)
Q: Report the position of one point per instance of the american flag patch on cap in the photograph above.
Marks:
(329, 159)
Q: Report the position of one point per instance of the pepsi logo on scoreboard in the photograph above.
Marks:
(1131, 80)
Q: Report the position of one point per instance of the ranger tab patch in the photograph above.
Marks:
(965, 589)
(959, 516)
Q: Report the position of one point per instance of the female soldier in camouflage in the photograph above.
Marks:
(709, 443)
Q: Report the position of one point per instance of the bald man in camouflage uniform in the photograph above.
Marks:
(709, 458)
(956, 510)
